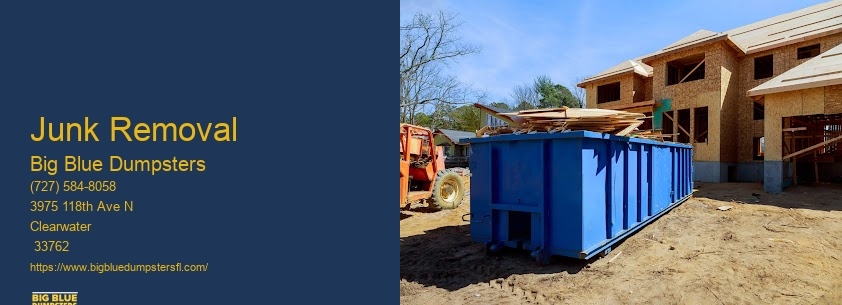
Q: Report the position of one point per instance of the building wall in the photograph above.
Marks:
(439, 140)
(627, 85)
(730, 95)
(811, 101)
(784, 58)
(833, 99)
(647, 88)
(731, 127)
(824, 100)
(638, 87)
(455, 150)
(484, 114)
(698, 93)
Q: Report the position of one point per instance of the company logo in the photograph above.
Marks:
(55, 298)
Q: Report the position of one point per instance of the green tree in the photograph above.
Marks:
(465, 118)
(423, 119)
(501, 105)
(554, 95)
(524, 105)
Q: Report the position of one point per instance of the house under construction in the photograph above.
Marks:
(762, 102)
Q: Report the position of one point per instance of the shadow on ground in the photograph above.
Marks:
(423, 209)
(407, 213)
(814, 196)
(447, 258)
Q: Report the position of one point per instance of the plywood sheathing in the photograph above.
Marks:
(709, 151)
(804, 24)
(647, 88)
(639, 89)
(819, 71)
(787, 104)
(784, 58)
(699, 93)
(628, 66)
(735, 72)
(694, 40)
(833, 99)
(730, 97)
(626, 90)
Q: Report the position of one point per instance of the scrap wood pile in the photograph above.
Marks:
(551, 120)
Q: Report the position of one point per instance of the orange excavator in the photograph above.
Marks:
(423, 176)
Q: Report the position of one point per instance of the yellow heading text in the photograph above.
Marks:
(123, 128)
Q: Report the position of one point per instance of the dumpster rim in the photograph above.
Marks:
(571, 134)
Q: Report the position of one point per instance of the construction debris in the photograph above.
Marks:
(552, 120)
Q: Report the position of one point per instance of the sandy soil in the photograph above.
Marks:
(767, 249)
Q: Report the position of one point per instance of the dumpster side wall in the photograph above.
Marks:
(572, 195)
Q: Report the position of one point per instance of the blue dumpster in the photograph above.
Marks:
(572, 194)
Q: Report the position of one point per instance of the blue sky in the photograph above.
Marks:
(568, 39)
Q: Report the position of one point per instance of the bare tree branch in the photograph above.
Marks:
(525, 94)
(429, 42)
(578, 92)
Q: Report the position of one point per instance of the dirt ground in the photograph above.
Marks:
(766, 249)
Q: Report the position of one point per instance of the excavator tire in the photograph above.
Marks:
(449, 190)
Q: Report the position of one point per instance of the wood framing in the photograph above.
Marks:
(811, 148)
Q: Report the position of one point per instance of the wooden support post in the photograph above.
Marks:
(795, 170)
(816, 164)
(674, 122)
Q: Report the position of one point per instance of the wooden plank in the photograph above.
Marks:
(697, 138)
(542, 110)
(629, 105)
(808, 149)
(691, 71)
(578, 113)
(794, 129)
(682, 128)
(629, 129)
